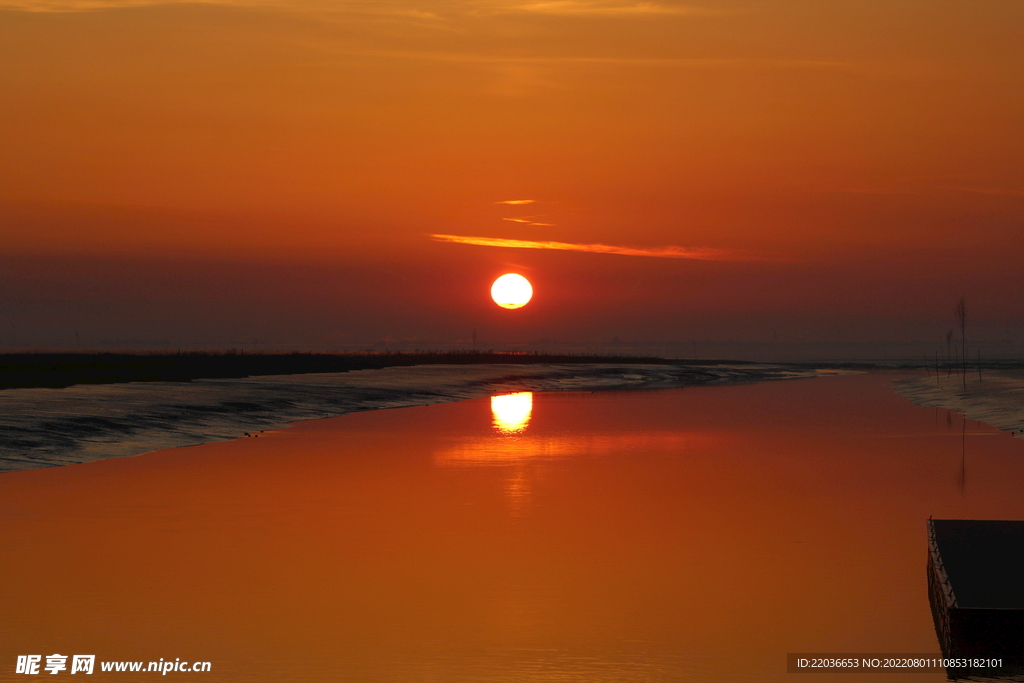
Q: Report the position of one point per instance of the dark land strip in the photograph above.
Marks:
(56, 370)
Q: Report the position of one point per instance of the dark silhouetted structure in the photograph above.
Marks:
(976, 591)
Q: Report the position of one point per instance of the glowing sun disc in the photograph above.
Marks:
(511, 290)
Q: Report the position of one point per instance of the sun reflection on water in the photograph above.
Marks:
(511, 412)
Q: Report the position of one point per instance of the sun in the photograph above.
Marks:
(511, 290)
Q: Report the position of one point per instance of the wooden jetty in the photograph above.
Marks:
(976, 591)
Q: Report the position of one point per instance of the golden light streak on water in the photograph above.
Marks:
(511, 412)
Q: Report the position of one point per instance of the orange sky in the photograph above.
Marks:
(209, 172)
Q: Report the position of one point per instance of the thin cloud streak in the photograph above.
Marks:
(315, 7)
(610, 8)
(699, 254)
(667, 62)
(517, 201)
(993, 191)
(527, 221)
(576, 8)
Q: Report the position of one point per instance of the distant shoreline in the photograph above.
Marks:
(59, 370)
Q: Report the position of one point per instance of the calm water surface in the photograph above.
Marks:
(681, 535)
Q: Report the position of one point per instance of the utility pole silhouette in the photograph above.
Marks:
(960, 313)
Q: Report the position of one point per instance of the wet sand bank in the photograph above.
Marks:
(42, 427)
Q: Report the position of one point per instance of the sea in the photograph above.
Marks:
(601, 535)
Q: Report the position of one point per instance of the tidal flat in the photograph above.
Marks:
(54, 426)
(686, 534)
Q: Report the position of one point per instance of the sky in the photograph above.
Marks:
(337, 173)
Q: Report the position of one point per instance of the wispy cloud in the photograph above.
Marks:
(586, 8)
(991, 190)
(57, 6)
(352, 8)
(517, 201)
(583, 61)
(470, 8)
(699, 254)
(925, 189)
(528, 220)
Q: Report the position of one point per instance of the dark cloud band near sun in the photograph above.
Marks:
(699, 254)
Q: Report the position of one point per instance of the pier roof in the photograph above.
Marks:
(984, 560)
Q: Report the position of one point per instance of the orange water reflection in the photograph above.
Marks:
(514, 448)
(696, 534)
(511, 412)
(478, 451)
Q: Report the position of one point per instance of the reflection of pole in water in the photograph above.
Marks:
(963, 457)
